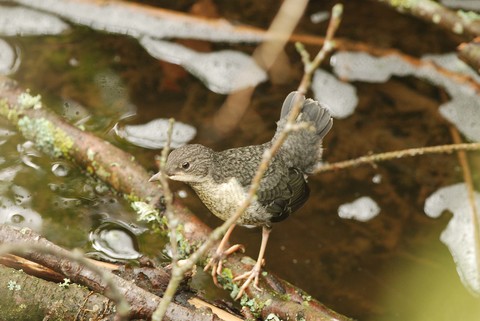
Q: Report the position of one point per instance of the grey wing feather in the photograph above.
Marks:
(312, 111)
(289, 103)
(289, 194)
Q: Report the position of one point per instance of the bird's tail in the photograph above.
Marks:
(303, 147)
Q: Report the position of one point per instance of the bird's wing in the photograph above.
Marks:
(284, 196)
(282, 190)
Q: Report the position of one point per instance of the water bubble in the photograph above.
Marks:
(17, 218)
(60, 169)
(116, 240)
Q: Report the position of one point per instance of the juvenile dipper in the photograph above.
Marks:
(222, 179)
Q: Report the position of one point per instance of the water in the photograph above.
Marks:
(391, 267)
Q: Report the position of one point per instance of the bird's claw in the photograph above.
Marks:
(253, 274)
(216, 263)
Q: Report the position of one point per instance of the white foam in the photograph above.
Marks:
(464, 4)
(120, 18)
(8, 58)
(154, 133)
(362, 209)
(340, 97)
(458, 236)
(463, 110)
(18, 21)
(222, 72)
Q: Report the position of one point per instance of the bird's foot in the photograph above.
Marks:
(216, 262)
(250, 276)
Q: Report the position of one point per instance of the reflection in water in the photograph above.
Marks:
(18, 212)
(9, 60)
(115, 240)
(75, 112)
(60, 169)
(27, 151)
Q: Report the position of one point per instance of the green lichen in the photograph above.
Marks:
(47, 137)
(91, 155)
(7, 112)
(13, 286)
(132, 198)
(145, 212)
(27, 101)
(403, 4)
(227, 273)
(183, 245)
(468, 16)
(66, 283)
(253, 304)
(101, 172)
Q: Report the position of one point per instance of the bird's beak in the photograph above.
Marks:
(155, 177)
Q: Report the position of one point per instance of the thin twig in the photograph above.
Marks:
(266, 54)
(467, 177)
(459, 22)
(176, 278)
(376, 158)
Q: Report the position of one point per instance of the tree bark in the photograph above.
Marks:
(24, 297)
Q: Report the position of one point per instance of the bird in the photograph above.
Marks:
(222, 179)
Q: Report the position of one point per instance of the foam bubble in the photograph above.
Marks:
(362, 209)
(26, 22)
(222, 72)
(458, 236)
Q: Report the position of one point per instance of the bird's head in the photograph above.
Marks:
(189, 163)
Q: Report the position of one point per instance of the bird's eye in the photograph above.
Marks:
(186, 165)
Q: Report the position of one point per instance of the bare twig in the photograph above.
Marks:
(459, 22)
(467, 177)
(376, 158)
(276, 37)
(176, 277)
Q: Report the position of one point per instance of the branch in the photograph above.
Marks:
(376, 158)
(142, 303)
(460, 22)
(25, 297)
(177, 275)
(470, 53)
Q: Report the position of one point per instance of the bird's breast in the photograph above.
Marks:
(223, 200)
